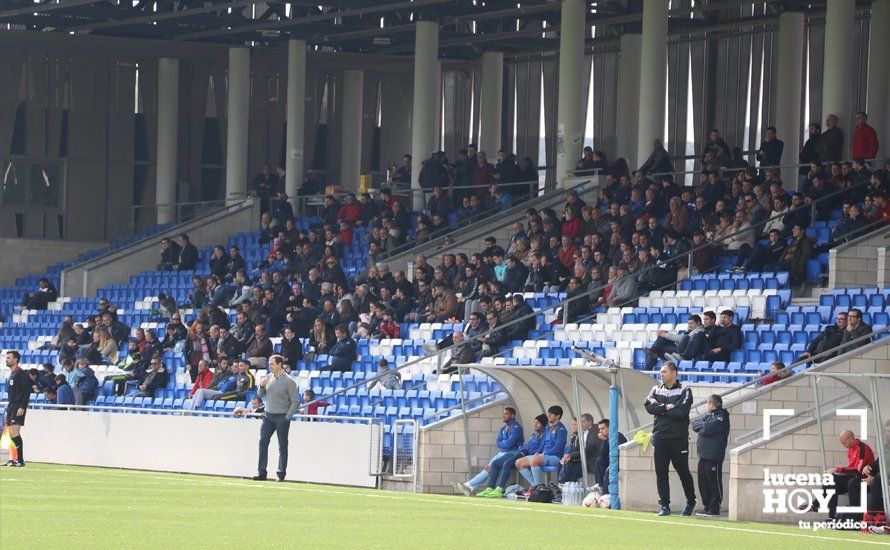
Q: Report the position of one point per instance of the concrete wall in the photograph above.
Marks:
(856, 263)
(40, 253)
(116, 268)
(442, 457)
(883, 266)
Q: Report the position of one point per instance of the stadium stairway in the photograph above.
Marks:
(115, 267)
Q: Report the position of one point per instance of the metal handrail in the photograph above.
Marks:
(437, 242)
(782, 382)
(588, 292)
(441, 412)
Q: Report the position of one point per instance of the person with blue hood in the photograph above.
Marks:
(502, 467)
(509, 439)
(555, 436)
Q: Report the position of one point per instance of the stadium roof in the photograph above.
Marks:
(469, 27)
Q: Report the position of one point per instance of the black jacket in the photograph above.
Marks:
(591, 449)
(19, 390)
(713, 434)
(188, 257)
(673, 423)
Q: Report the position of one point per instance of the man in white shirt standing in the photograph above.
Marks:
(282, 401)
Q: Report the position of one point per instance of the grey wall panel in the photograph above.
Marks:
(35, 119)
(33, 226)
(198, 77)
(56, 100)
(605, 122)
(369, 109)
(395, 129)
(587, 69)
(120, 149)
(11, 66)
(477, 103)
(699, 51)
(860, 66)
(770, 76)
(678, 88)
(87, 141)
(816, 43)
(456, 93)
(754, 96)
(335, 125)
(551, 93)
(277, 107)
(528, 120)
(258, 152)
(508, 108)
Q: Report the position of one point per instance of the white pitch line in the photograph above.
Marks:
(446, 500)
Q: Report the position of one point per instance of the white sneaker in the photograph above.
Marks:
(463, 489)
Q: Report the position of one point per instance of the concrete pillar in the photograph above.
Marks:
(653, 76)
(490, 104)
(837, 77)
(426, 101)
(296, 117)
(879, 74)
(168, 136)
(237, 113)
(628, 96)
(569, 121)
(351, 140)
(789, 89)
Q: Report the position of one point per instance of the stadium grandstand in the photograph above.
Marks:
(431, 242)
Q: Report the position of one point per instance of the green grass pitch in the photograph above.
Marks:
(53, 506)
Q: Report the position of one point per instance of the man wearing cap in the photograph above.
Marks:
(502, 467)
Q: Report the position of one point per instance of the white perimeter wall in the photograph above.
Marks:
(319, 452)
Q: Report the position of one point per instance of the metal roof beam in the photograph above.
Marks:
(162, 16)
(310, 19)
(46, 6)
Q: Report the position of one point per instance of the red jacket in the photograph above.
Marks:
(313, 408)
(572, 228)
(859, 456)
(202, 381)
(865, 142)
(350, 212)
(390, 330)
(567, 256)
(346, 236)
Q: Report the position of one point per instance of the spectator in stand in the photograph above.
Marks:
(203, 379)
(509, 439)
(713, 435)
(235, 388)
(403, 173)
(291, 349)
(483, 174)
(118, 330)
(501, 468)
(188, 255)
(687, 343)
(169, 254)
(762, 255)
(312, 409)
(624, 291)
(659, 161)
(351, 211)
(259, 347)
(571, 469)
(197, 348)
(155, 379)
(856, 328)
(62, 394)
(387, 379)
(716, 153)
(724, 339)
(46, 292)
(859, 455)
(770, 151)
(551, 452)
(810, 152)
(433, 173)
(343, 352)
(439, 203)
(86, 387)
(777, 371)
(830, 146)
(796, 255)
(312, 185)
(220, 374)
(865, 139)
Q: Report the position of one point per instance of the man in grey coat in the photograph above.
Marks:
(624, 289)
(282, 401)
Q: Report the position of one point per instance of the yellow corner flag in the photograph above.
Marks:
(643, 439)
(6, 442)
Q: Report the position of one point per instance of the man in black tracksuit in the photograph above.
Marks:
(19, 395)
(713, 434)
(669, 402)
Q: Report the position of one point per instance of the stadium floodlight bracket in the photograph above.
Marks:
(597, 359)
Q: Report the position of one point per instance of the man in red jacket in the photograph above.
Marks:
(351, 211)
(859, 455)
(865, 139)
(203, 379)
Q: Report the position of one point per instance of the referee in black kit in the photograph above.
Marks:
(19, 395)
(669, 402)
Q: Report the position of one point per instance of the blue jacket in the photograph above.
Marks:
(510, 436)
(533, 445)
(342, 354)
(554, 439)
(65, 395)
(89, 384)
(227, 385)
